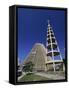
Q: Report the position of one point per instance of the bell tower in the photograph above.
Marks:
(52, 47)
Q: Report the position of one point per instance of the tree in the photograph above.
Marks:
(28, 67)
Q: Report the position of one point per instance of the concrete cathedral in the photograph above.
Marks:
(43, 57)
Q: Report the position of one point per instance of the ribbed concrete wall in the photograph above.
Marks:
(37, 56)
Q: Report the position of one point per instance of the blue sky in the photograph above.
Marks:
(32, 28)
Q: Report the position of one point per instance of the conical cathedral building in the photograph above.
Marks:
(43, 57)
(38, 57)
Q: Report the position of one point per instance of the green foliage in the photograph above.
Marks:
(28, 67)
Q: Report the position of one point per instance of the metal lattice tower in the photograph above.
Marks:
(52, 46)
